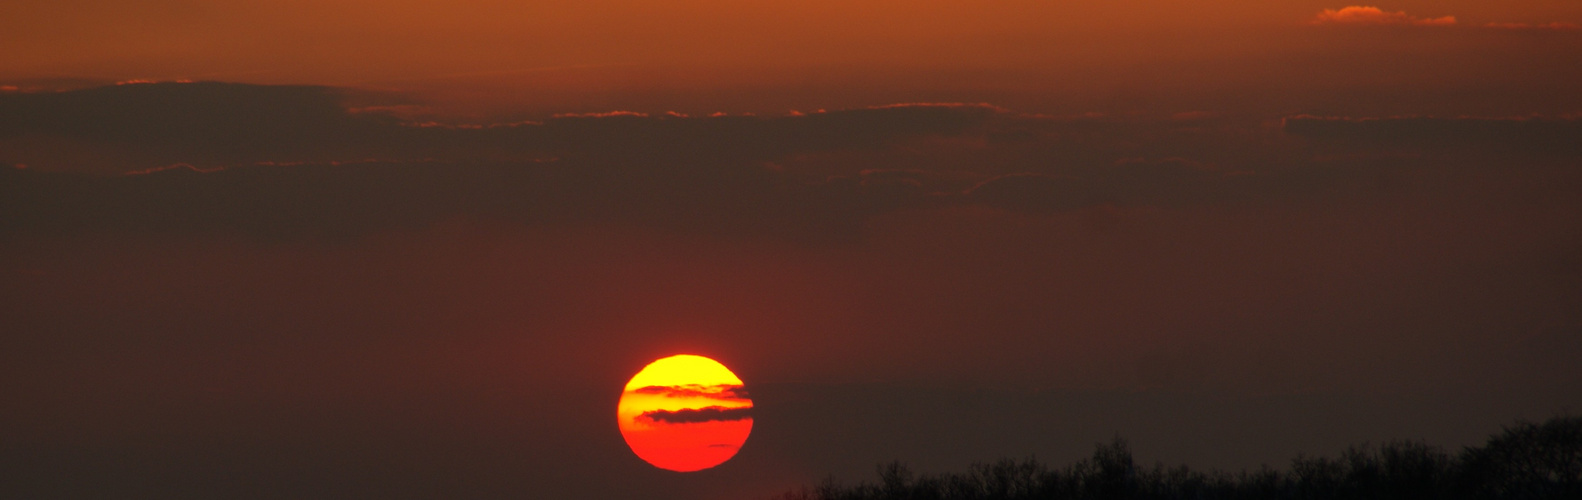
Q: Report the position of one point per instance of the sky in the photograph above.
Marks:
(413, 249)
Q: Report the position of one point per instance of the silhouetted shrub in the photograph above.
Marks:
(1525, 461)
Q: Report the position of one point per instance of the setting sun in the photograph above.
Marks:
(685, 413)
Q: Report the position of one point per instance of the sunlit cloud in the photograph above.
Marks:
(1368, 15)
(981, 105)
(609, 114)
(174, 167)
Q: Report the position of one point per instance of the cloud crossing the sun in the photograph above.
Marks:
(698, 415)
(722, 391)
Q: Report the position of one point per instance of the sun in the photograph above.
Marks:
(685, 413)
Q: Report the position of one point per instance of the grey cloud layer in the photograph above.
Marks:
(139, 126)
(328, 170)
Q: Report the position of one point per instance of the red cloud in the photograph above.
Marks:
(610, 114)
(1376, 16)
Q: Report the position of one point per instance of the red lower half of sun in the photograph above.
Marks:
(688, 447)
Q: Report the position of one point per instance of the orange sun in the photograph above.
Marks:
(685, 413)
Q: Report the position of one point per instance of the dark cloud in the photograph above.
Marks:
(822, 177)
(118, 128)
(723, 391)
(288, 161)
(190, 115)
(698, 415)
(1511, 137)
(122, 128)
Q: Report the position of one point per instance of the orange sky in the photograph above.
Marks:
(755, 56)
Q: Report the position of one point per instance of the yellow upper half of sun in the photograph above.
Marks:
(683, 369)
(694, 382)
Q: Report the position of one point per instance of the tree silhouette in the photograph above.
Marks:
(1525, 461)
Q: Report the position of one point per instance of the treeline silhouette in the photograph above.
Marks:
(1524, 461)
